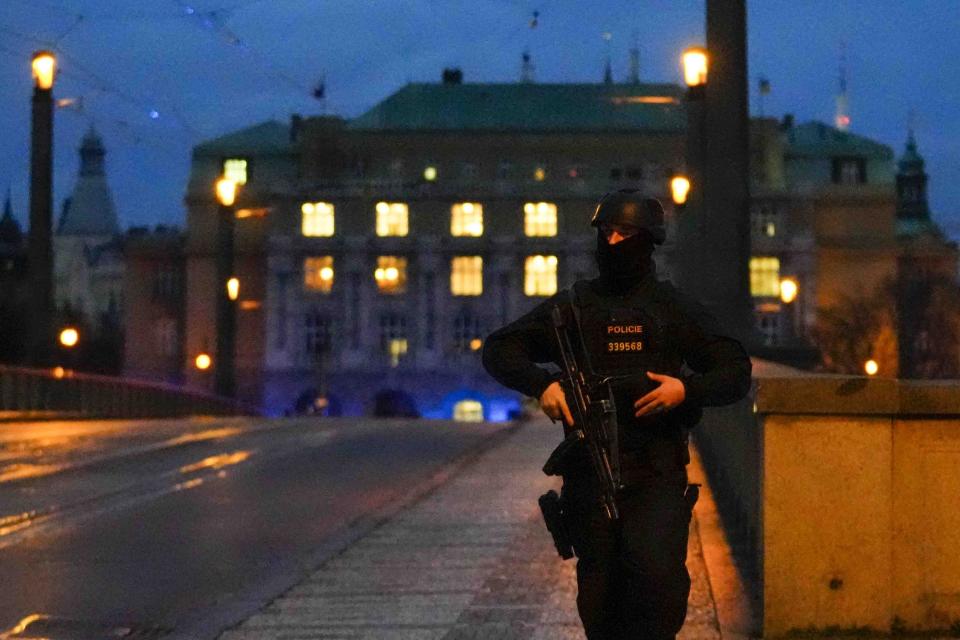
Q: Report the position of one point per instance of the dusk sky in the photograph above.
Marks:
(208, 67)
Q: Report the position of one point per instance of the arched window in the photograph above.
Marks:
(468, 411)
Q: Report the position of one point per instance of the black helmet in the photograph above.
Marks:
(630, 207)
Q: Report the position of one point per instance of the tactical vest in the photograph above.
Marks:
(626, 337)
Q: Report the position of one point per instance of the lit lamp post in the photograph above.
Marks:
(788, 293)
(679, 190)
(69, 338)
(44, 66)
(691, 226)
(228, 290)
(203, 361)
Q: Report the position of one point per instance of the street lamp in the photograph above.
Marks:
(203, 361)
(695, 67)
(226, 192)
(233, 289)
(228, 289)
(871, 367)
(691, 227)
(788, 290)
(43, 67)
(679, 189)
(69, 337)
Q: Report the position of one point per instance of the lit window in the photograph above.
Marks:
(317, 219)
(468, 411)
(539, 174)
(318, 274)
(235, 169)
(540, 219)
(430, 173)
(393, 337)
(466, 219)
(540, 276)
(391, 274)
(765, 276)
(392, 219)
(466, 275)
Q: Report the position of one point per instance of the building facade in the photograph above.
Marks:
(154, 292)
(375, 254)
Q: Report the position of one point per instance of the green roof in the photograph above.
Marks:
(528, 107)
(821, 140)
(265, 138)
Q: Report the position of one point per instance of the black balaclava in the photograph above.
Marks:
(623, 265)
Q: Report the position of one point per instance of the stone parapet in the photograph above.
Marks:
(844, 491)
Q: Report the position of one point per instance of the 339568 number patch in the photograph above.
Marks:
(631, 345)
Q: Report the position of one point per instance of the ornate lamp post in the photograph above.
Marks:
(690, 226)
(44, 66)
(228, 289)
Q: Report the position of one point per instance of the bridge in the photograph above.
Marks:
(828, 508)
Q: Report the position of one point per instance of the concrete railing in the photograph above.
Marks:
(844, 493)
(59, 393)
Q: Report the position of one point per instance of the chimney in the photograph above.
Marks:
(452, 75)
(787, 122)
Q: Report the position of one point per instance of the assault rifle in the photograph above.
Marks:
(595, 421)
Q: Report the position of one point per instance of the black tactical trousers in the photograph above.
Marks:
(631, 573)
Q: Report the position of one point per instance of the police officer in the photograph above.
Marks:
(631, 573)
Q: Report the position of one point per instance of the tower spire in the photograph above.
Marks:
(842, 120)
(607, 69)
(633, 76)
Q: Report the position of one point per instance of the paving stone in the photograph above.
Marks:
(470, 560)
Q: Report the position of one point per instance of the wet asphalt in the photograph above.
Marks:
(179, 528)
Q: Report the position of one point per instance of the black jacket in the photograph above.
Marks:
(676, 329)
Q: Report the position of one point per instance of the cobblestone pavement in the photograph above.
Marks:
(472, 559)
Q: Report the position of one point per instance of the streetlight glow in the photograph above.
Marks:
(695, 66)
(69, 337)
(679, 189)
(203, 361)
(233, 288)
(226, 191)
(788, 290)
(44, 66)
(871, 367)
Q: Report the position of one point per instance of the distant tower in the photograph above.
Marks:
(607, 69)
(633, 76)
(526, 67)
(842, 119)
(91, 211)
(912, 207)
(87, 252)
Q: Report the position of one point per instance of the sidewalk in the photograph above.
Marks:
(471, 559)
